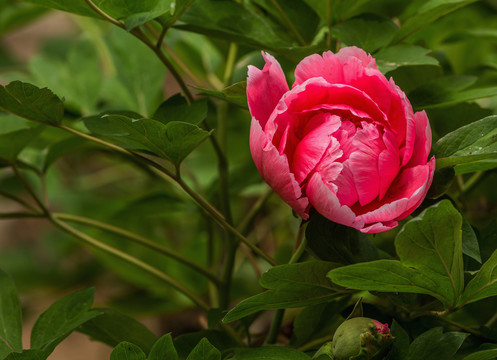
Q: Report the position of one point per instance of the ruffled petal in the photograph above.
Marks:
(312, 147)
(379, 227)
(275, 170)
(265, 88)
(325, 201)
(388, 162)
(327, 66)
(346, 191)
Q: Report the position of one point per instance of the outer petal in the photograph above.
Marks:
(265, 88)
(327, 66)
(422, 142)
(355, 52)
(326, 203)
(275, 170)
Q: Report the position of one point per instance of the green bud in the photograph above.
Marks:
(359, 338)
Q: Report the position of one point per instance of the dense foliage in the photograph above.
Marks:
(100, 155)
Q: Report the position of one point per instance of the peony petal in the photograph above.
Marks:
(326, 203)
(388, 162)
(265, 88)
(353, 52)
(346, 193)
(327, 66)
(363, 163)
(379, 227)
(275, 170)
(312, 147)
(422, 142)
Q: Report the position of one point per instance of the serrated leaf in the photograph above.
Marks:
(62, 318)
(474, 142)
(112, 328)
(236, 93)
(426, 14)
(396, 56)
(270, 353)
(176, 108)
(127, 351)
(10, 316)
(32, 103)
(163, 349)
(204, 351)
(172, 141)
(435, 345)
(430, 250)
(293, 285)
(368, 34)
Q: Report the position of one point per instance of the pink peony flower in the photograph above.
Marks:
(343, 140)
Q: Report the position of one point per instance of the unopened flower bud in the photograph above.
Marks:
(360, 338)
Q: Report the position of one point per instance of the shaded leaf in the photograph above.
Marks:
(11, 144)
(474, 142)
(270, 353)
(400, 343)
(291, 285)
(435, 345)
(488, 352)
(470, 246)
(396, 56)
(176, 108)
(32, 103)
(10, 316)
(236, 93)
(127, 351)
(163, 349)
(112, 328)
(172, 141)
(62, 318)
(28, 355)
(484, 284)
(185, 344)
(204, 351)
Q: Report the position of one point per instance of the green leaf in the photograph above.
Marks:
(185, 344)
(172, 141)
(426, 14)
(11, 144)
(28, 355)
(292, 285)
(470, 246)
(474, 142)
(489, 352)
(163, 349)
(325, 352)
(434, 345)
(463, 96)
(396, 56)
(433, 241)
(270, 353)
(127, 351)
(400, 344)
(368, 34)
(112, 328)
(484, 284)
(236, 93)
(329, 241)
(15, 15)
(215, 18)
(10, 316)
(62, 318)
(430, 252)
(162, 7)
(204, 351)
(32, 103)
(176, 108)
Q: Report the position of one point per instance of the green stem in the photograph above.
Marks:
(104, 15)
(472, 181)
(247, 220)
(30, 190)
(288, 22)
(131, 260)
(20, 215)
(301, 243)
(139, 240)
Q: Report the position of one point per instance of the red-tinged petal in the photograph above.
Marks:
(327, 66)
(363, 163)
(265, 88)
(388, 162)
(275, 170)
(379, 227)
(312, 147)
(325, 201)
(405, 195)
(422, 142)
(346, 193)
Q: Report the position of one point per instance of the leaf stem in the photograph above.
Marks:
(104, 15)
(288, 22)
(301, 243)
(30, 190)
(139, 240)
(18, 200)
(131, 260)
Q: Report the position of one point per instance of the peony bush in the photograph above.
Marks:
(169, 193)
